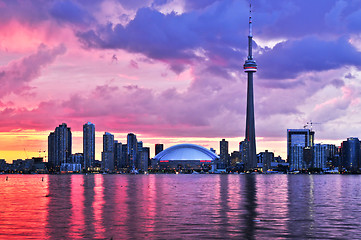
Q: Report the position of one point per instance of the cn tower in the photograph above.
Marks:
(250, 67)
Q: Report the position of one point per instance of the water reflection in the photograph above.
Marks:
(59, 208)
(250, 206)
(180, 206)
(300, 194)
(22, 207)
(77, 228)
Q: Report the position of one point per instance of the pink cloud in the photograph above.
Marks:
(16, 76)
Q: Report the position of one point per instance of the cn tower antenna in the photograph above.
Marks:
(250, 18)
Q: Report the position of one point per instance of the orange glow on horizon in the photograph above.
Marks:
(22, 144)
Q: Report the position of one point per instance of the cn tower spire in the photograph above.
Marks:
(250, 67)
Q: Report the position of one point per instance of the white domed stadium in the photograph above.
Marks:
(186, 156)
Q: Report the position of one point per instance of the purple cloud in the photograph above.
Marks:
(16, 76)
(70, 12)
(289, 59)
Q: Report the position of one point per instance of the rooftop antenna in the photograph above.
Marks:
(250, 35)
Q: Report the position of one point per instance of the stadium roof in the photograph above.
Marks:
(186, 152)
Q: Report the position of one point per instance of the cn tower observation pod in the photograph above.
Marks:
(186, 156)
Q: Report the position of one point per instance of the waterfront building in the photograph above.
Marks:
(144, 155)
(235, 158)
(158, 148)
(51, 150)
(74, 163)
(132, 150)
(118, 163)
(60, 146)
(320, 155)
(350, 154)
(88, 145)
(296, 158)
(224, 155)
(186, 157)
(244, 150)
(108, 152)
(266, 158)
(308, 157)
(297, 141)
(250, 67)
(124, 159)
(332, 155)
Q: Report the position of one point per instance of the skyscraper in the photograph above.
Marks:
(51, 150)
(132, 146)
(108, 152)
(88, 145)
(158, 148)
(299, 140)
(118, 155)
(350, 154)
(250, 67)
(59, 146)
(223, 154)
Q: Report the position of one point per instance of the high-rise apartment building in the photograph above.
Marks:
(224, 154)
(320, 155)
(350, 154)
(118, 163)
(59, 146)
(143, 158)
(51, 150)
(132, 150)
(88, 145)
(244, 150)
(108, 152)
(125, 160)
(158, 148)
(299, 145)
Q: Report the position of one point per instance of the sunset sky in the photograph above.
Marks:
(171, 71)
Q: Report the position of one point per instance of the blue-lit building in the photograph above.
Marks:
(320, 155)
(350, 154)
(300, 148)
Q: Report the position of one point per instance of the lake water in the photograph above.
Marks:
(180, 206)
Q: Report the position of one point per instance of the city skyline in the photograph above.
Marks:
(176, 77)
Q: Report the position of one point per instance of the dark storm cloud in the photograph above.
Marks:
(174, 38)
(290, 58)
(216, 28)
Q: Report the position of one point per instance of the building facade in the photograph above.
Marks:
(350, 154)
(108, 152)
(158, 148)
(59, 146)
(299, 144)
(224, 155)
(132, 150)
(118, 161)
(88, 145)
